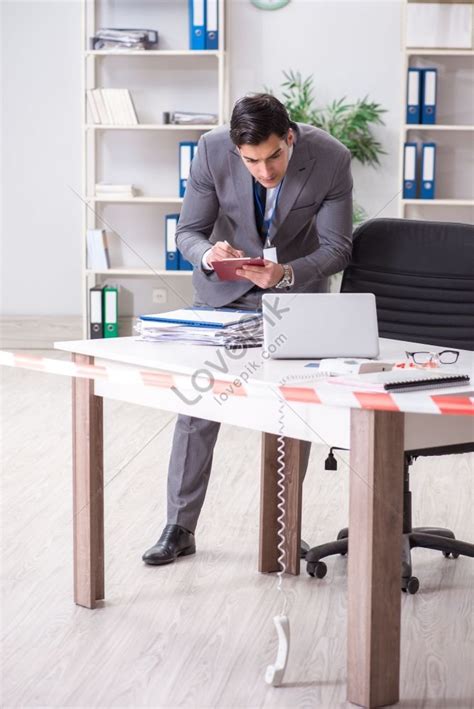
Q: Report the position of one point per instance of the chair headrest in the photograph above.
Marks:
(415, 246)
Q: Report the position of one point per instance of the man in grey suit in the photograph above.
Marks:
(266, 186)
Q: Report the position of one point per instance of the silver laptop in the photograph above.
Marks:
(316, 325)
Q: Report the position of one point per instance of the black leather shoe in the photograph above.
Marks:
(174, 541)
(304, 549)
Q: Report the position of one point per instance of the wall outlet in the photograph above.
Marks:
(159, 295)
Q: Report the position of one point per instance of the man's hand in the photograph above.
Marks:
(222, 250)
(263, 276)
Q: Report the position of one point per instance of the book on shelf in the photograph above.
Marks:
(124, 39)
(428, 99)
(110, 191)
(103, 311)
(96, 313)
(97, 250)
(414, 95)
(110, 303)
(174, 260)
(428, 171)
(212, 24)
(419, 171)
(93, 105)
(187, 151)
(111, 107)
(203, 24)
(171, 251)
(421, 95)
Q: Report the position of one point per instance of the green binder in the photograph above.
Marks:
(110, 311)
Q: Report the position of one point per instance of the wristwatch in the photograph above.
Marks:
(287, 278)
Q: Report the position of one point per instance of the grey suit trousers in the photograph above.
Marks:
(192, 451)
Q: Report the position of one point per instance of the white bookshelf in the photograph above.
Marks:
(440, 202)
(137, 200)
(454, 197)
(436, 127)
(145, 154)
(439, 52)
(144, 272)
(153, 126)
(155, 53)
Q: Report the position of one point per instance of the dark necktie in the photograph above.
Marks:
(261, 191)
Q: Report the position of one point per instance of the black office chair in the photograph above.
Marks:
(422, 275)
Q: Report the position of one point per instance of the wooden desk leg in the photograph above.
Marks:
(374, 559)
(268, 553)
(88, 490)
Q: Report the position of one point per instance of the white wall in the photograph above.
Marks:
(41, 157)
(352, 48)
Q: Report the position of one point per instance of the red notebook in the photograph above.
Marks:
(226, 269)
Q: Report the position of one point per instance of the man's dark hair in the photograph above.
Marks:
(255, 117)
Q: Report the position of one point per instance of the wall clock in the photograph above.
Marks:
(269, 4)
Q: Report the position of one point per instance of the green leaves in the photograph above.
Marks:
(350, 123)
(298, 97)
(359, 214)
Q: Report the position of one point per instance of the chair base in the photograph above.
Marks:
(427, 537)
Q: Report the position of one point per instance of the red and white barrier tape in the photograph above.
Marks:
(454, 404)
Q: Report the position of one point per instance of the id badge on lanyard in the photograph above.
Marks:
(269, 251)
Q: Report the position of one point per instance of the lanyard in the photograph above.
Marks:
(267, 222)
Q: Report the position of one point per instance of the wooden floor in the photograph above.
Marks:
(199, 633)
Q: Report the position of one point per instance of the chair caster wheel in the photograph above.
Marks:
(447, 554)
(318, 569)
(412, 585)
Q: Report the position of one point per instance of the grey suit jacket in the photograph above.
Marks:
(312, 227)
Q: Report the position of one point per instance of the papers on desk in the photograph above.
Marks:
(406, 381)
(226, 327)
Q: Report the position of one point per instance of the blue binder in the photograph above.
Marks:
(185, 157)
(171, 252)
(212, 24)
(428, 104)
(197, 24)
(414, 95)
(428, 166)
(409, 171)
(183, 264)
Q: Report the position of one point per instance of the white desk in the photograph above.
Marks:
(245, 389)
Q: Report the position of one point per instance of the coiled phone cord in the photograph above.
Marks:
(281, 506)
(275, 673)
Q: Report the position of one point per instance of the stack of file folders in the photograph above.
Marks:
(125, 39)
(224, 327)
